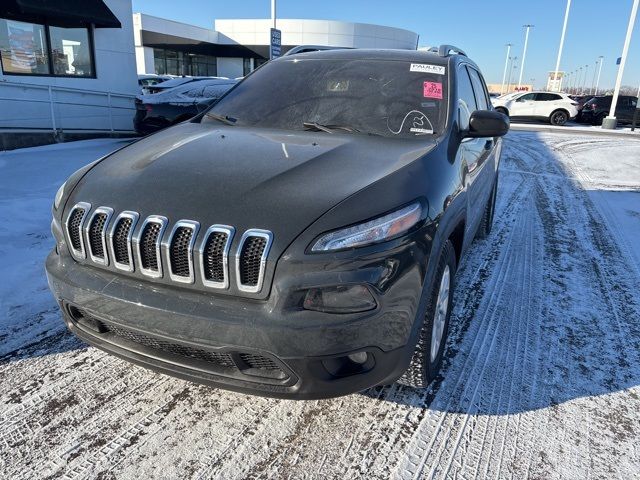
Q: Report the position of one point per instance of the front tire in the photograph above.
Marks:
(502, 110)
(427, 357)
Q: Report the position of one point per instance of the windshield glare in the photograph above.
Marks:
(378, 97)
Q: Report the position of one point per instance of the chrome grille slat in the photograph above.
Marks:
(120, 240)
(73, 227)
(179, 251)
(147, 242)
(251, 259)
(95, 234)
(213, 256)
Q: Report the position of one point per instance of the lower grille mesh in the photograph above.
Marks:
(267, 367)
(148, 245)
(75, 222)
(95, 234)
(250, 259)
(220, 359)
(121, 240)
(258, 361)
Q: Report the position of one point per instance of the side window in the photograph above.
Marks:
(479, 89)
(547, 97)
(634, 102)
(466, 99)
(527, 98)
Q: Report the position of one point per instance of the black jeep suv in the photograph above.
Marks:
(300, 238)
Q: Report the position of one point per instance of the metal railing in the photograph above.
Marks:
(50, 107)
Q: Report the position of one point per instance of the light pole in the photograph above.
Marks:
(576, 85)
(511, 69)
(601, 58)
(584, 82)
(506, 63)
(610, 121)
(524, 52)
(273, 12)
(564, 29)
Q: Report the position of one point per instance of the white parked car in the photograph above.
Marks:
(556, 108)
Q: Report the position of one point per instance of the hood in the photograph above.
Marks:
(276, 180)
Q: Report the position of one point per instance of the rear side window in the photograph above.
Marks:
(547, 97)
(466, 98)
(482, 96)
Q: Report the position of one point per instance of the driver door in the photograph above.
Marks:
(524, 106)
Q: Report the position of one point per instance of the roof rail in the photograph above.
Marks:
(446, 50)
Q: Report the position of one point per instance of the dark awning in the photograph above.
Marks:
(67, 13)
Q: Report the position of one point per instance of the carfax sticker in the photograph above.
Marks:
(426, 68)
(432, 90)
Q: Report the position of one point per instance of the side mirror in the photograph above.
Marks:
(487, 123)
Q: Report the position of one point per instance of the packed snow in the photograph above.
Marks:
(542, 377)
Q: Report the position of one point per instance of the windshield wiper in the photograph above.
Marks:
(227, 120)
(328, 128)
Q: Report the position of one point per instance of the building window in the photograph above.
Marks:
(170, 62)
(33, 49)
(71, 51)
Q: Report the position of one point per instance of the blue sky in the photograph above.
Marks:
(482, 28)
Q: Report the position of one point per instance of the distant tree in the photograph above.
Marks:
(628, 90)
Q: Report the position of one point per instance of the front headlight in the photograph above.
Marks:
(373, 231)
(59, 195)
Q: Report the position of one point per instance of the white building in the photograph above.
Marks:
(233, 48)
(68, 66)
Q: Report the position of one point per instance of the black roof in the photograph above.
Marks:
(417, 56)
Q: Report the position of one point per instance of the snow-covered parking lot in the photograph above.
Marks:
(542, 378)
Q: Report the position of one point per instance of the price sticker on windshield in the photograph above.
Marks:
(432, 90)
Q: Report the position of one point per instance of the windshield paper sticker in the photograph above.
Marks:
(432, 90)
(426, 68)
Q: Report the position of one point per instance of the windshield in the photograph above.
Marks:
(390, 98)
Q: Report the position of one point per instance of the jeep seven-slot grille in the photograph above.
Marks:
(121, 241)
(75, 228)
(91, 231)
(251, 259)
(96, 230)
(214, 268)
(148, 245)
(180, 252)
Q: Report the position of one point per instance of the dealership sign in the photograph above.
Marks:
(276, 43)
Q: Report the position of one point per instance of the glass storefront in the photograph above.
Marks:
(170, 62)
(34, 49)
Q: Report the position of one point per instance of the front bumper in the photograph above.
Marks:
(293, 353)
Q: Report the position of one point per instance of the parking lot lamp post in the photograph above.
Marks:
(576, 84)
(506, 64)
(601, 59)
(610, 121)
(524, 52)
(273, 12)
(564, 29)
(511, 69)
(584, 82)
